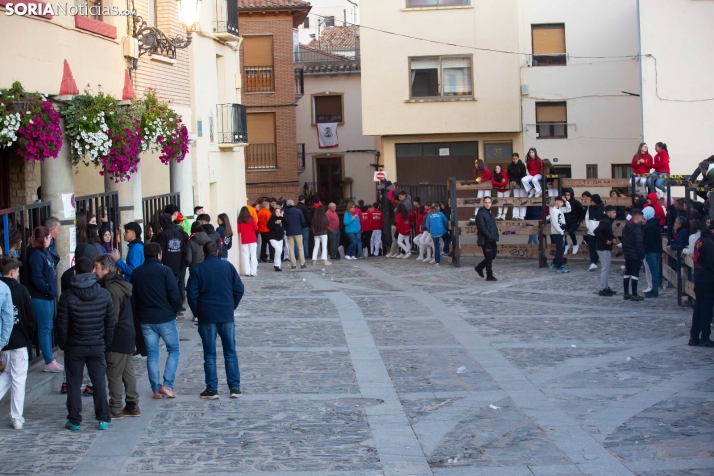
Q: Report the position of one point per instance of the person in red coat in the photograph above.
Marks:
(534, 166)
(482, 175)
(641, 165)
(366, 224)
(660, 164)
(403, 222)
(653, 201)
(500, 182)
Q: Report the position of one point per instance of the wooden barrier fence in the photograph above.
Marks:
(681, 274)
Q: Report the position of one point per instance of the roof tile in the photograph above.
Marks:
(271, 4)
(335, 38)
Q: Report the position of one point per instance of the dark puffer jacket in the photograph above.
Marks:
(85, 314)
(653, 236)
(212, 234)
(486, 225)
(124, 338)
(633, 242)
(195, 248)
(577, 212)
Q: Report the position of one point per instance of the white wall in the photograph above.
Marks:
(679, 34)
(324, 8)
(606, 122)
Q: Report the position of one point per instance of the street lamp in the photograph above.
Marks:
(151, 40)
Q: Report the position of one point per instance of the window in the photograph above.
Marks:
(563, 170)
(328, 109)
(306, 23)
(445, 76)
(90, 8)
(258, 63)
(591, 171)
(551, 120)
(329, 21)
(435, 3)
(621, 171)
(435, 162)
(261, 151)
(548, 44)
(151, 12)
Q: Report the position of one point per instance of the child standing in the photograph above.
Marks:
(437, 225)
(633, 246)
(557, 232)
(14, 353)
(377, 219)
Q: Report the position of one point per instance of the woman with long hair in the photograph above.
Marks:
(105, 240)
(534, 166)
(43, 290)
(247, 230)
(81, 223)
(551, 184)
(500, 182)
(319, 227)
(660, 164)
(352, 222)
(403, 222)
(225, 231)
(482, 175)
(641, 165)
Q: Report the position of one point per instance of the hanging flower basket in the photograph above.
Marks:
(87, 123)
(163, 130)
(29, 120)
(123, 158)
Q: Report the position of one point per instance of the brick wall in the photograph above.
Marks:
(22, 183)
(282, 181)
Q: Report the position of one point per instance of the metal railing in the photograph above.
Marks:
(312, 189)
(226, 15)
(232, 124)
(299, 83)
(153, 207)
(106, 208)
(261, 156)
(427, 192)
(301, 156)
(327, 56)
(258, 79)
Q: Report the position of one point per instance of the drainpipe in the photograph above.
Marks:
(639, 58)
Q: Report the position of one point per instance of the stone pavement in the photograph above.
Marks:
(394, 367)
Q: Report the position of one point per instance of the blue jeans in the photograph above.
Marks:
(657, 181)
(533, 240)
(45, 314)
(208, 333)
(352, 247)
(437, 252)
(168, 331)
(653, 262)
(305, 242)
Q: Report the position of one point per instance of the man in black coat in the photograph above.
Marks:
(703, 258)
(85, 328)
(633, 246)
(119, 355)
(173, 245)
(604, 239)
(307, 212)
(487, 239)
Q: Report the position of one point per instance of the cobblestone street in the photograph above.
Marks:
(393, 367)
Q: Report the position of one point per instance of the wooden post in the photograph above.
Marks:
(456, 249)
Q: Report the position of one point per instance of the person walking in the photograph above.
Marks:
(320, 224)
(247, 229)
(557, 232)
(653, 249)
(293, 220)
(155, 299)
(436, 224)
(276, 235)
(592, 219)
(604, 239)
(633, 246)
(43, 290)
(135, 255)
(351, 221)
(263, 216)
(333, 230)
(516, 173)
(214, 291)
(703, 258)
(487, 239)
(119, 355)
(225, 232)
(18, 314)
(531, 182)
(85, 329)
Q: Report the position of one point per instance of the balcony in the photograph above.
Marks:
(299, 84)
(301, 157)
(226, 25)
(258, 79)
(231, 124)
(261, 156)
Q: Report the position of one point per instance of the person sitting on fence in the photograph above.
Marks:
(531, 182)
(641, 165)
(481, 175)
(572, 220)
(557, 232)
(633, 247)
(703, 258)
(516, 173)
(500, 182)
(660, 164)
(621, 213)
(552, 183)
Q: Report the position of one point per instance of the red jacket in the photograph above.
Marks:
(641, 169)
(247, 232)
(365, 222)
(659, 211)
(419, 220)
(404, 226)
(534, 166)
(501, 186)
(486, 175)
(377, 219)
(660, 163)
(333, 219)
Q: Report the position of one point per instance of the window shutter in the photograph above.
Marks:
(556, 112)
(549, 40)
(328, 106)
(258, 51)
(261, 128)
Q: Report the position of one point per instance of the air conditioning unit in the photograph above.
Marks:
(525, 90)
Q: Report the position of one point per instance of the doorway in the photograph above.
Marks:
(328, 172)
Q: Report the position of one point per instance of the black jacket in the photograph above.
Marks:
(43, 280)
(173, 244)
(603, 233)
(596, 211)
(577, 212)
(653, 236)
(212, 234)
(155, 295)
(195, 248)
(633, 241)
(703, 258)
(486, 225)
(119, 290)
(23, 328)
(85, 314)
(517, 171)
(307, 212)
(277, 232)
(293, 221)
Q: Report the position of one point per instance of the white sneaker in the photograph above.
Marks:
(592, 267)
(647, 290)
(531, 192)
(432, 262)
(567, 247)
(17, 423)
(539, 194)
(388, 255)
(437, 265)
(420, 259)
(348, 258)
(407, 256)
(575, 249)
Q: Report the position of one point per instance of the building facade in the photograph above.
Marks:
(326, 14)
(270, 91)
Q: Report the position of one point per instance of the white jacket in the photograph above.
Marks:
(692, 241)
(557, 219)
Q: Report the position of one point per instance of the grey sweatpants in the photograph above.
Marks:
(605, 260)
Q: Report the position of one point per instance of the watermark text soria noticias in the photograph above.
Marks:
(57, 9)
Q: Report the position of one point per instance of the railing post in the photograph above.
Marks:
(455, 247)
(679, 277)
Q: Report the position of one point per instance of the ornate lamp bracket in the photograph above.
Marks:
(154, 41)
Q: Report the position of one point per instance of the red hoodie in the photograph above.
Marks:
(641, 169)
(377, 220)
(660, 163)
(365, 222)
(419, 220)
(403, 226)
(534, 166)
(659, 211)
(501, 186)
(485, 177)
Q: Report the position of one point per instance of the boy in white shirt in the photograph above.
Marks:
(557, 232)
